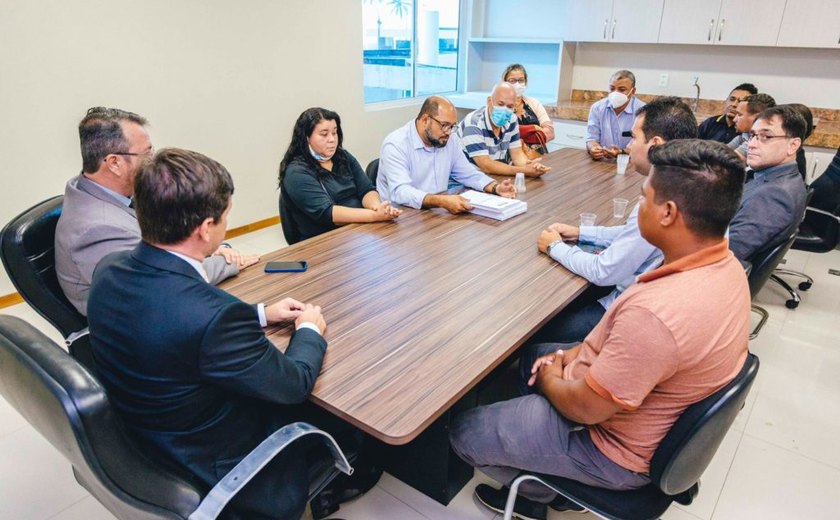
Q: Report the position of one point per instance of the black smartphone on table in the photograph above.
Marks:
(297, 266)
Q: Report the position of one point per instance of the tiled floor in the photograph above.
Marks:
(780, 460)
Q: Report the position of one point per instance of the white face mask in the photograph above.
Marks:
(519, 88)
(617, 99)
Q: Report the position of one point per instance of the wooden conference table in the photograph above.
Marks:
(419, 310)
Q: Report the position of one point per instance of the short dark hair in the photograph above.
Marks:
(298, 149)
(100, 134)
(669, 118)
(704, 178)
(749, 87)
(806, 114)
(512, 67)
(793, 123)
(175, 191)
(758, 103)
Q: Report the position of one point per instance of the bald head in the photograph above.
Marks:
(503, 95)
(433, 106)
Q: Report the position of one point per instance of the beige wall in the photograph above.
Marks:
(225, 78)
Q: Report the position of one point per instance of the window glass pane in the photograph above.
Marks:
(437, 46)
(402, 53)
(388, 29)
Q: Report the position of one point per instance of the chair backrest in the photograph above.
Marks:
(27, 247)
(287, 222)
(67, 405)
(765, 261)
(689, 446)
(372, 171)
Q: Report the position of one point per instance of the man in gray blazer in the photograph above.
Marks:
(98, 216)
(773, 203)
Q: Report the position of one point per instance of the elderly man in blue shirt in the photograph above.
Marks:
(612, 116)
(625, 254)
(418, 159)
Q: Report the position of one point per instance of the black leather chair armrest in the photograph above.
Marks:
(248, 467)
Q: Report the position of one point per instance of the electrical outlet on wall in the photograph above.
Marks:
(663, 80)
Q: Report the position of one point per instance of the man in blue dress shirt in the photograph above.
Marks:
(418, 159)
(610, 117)
(625, 253)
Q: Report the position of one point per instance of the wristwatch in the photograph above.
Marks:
(548, 249)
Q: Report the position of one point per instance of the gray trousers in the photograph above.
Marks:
(527, 433)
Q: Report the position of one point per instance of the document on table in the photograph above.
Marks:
(494, 206)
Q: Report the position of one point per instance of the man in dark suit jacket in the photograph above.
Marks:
(97, 216)
(773, 203)
(186, 364)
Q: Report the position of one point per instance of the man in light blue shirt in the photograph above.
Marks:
(625, 253)
(418, 159)
(612, 116)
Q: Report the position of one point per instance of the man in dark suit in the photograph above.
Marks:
(98, 217)
(186, 364)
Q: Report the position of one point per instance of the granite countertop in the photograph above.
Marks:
(826, 133)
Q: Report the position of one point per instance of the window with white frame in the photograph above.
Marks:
(410, 48)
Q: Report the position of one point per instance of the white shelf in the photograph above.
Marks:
(539, 41)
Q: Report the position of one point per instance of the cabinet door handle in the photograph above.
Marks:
(720, 29)
(573, 136)
(613, 31)
(606, 23)
(711, 28)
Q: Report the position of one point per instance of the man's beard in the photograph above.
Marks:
(437, 143)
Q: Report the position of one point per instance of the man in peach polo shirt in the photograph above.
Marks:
(601, 408)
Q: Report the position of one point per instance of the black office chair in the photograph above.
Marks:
(676, 466)
(372, 171)
(762, 264)
(818, 233)
(290, 229)
(27, 248)
(67, 405)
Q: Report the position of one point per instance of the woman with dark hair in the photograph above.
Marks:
(535, 127)
(322, 186)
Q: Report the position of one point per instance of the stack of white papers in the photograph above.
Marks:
(494, 206)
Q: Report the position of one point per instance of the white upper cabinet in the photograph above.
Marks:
(636, 21)
(750, 22)
(612, 20)
(721, 22)
(810, 23)
(689, 21)
(587, 21)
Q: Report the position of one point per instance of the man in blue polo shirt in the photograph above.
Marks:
(490, 137)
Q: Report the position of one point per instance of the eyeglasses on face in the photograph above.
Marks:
(521, 81)
(445, 127)
(763, 138)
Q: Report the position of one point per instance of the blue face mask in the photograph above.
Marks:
(318, 157)
(500, 116)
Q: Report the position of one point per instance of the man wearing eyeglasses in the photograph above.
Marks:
(417, 161)
(773, 203)
(98, 216)
(721, 128)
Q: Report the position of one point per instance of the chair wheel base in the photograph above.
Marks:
(804, 286)
(791, 304)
